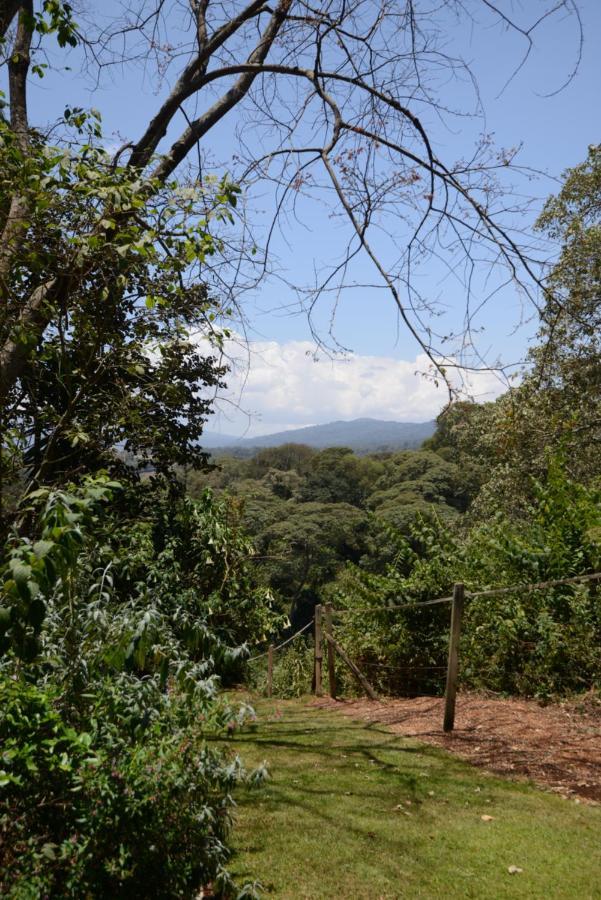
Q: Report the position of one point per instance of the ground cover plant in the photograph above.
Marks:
(354, 811)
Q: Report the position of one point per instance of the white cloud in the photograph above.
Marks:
(282, 386)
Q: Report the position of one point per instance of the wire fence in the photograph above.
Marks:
(391, 607)
(414, 678)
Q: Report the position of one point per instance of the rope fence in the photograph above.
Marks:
(322, 622)
(538, 586)
(472, 595)
(283, 644)
(393, 607)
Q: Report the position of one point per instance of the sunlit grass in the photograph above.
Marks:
(353, 811)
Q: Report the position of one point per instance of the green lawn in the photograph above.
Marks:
(353, 811)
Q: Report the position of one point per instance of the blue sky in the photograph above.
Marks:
(285, 386)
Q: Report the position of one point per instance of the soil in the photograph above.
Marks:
(557, 746)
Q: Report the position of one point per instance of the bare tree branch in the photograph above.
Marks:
(334, 103)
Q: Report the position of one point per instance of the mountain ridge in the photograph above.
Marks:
(362, 435)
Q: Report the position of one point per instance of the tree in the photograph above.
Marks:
(309, 544)
(336, 96)
(338, 476)
(118, 366)
(567, 360)
(556, 409)
(420, 483)
(286, 458)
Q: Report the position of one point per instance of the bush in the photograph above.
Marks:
(108, 785)
(93, 814)
(292, 671)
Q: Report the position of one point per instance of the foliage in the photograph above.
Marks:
(125, 622)
(179, 588)
(338, 476)
(309, 546)
(538, 642)
(34, 567)
(118, 366)
(556, 405)
(109, 784)
(286, 458)
(166, 589)
(530, 642)
(309, 511)
(399, 651)
(292, 671)
(91, 813)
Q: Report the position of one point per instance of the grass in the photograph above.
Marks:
(353, 811)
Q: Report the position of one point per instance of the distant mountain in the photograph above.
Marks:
(211, 439)
(361, 435)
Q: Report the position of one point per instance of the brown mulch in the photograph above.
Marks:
(557, 746)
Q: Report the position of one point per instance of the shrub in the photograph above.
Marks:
(292, 671)
(108, 784)
(93, 814)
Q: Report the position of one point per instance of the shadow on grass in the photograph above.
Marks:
(331, 759)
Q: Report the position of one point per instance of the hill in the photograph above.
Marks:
(361, 435)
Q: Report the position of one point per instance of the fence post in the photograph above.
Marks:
(356, 671)
(453, 662)
(331, 669)
(270, 670)
(318, 657)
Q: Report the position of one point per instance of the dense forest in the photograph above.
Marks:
(138, 574)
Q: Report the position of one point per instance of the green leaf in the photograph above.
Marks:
(20, 572)
(49, 851)
(42, 548)
(4, 619)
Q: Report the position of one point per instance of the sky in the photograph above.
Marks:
(279, 378)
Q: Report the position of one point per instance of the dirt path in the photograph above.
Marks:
(556, 746)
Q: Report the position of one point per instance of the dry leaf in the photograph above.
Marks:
(487, 818)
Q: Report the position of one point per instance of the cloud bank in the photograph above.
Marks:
(283, 385)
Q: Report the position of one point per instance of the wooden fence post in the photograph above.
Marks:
(270, 670)
(356, 671)
(318, 652)
(453, 662)
(331, 668)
